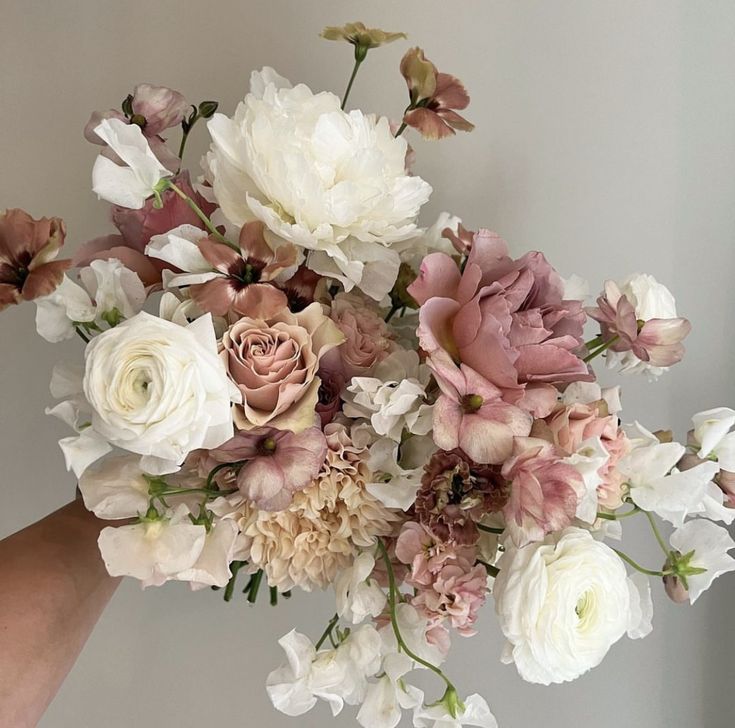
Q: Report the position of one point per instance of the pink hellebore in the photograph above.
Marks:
(137, 227)
(505, 319)
(154, 109)
(278, 463)
(543, 491)
(470, 414)
(244, 287)
(656, 341)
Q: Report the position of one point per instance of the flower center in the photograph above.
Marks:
(245, 272)
(471, 403)
(267, 446)
(585, 608)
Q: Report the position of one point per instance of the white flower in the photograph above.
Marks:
(157, 389)
(329, 181)
(153, 551)
(576, 288)
(57, 313)
(710, 544)
(179, 248)
(476, 712)
(655, 484)
(358, 595)
(431, 240)
(588, 460)
(712, 434)
(588, 392)
(562, 604)
(131, 185)
(115, 488)
(392, 485)
(212, 568)
(393, 399)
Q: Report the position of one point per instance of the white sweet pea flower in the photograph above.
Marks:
(476, 713)
(413, 251)
(115, 488)
(115, 290)
(57, 313)
(641, 606)
(212, 568)
(131, 185)
(179, 248)
(588, 460)
(708, 544)
(587, 392)
(358, 595)
(153, 551)
(712, 434)
(562, 603)
(655, 485)
(392, 485)
(331, 182)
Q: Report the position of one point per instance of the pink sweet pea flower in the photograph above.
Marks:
(278, 463)
(543, 491)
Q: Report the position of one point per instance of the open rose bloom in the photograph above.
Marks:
(281, 373)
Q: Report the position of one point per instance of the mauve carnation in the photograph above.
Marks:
(455, 494)
(368, 339)
(543, 491)
(504, 318)
(274, 364)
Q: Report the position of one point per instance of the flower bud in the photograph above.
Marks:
(208, 108)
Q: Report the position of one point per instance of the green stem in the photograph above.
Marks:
(401, 129)
(638, 567)
(184, 138)
(394, 309)
(274, 596)
(235, 566)
(82, 335)
(617, 516)
(217, 468)
(491, 570)
(489, 529)
(593, 343)
(255, 586)
(392, 589)
(604, 347)
(355, 69)
(328, 631)
(657, 533)
(200, 214)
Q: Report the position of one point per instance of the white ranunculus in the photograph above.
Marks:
(710, 544)
(562, 603)
(358, 595)
(158, 389)
(115, 488)
(329, 181)
(655, 484)
(130, 185)
(153, 551)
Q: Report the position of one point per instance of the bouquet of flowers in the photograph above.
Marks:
(283, 375)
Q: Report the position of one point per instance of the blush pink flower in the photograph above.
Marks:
(244, 286)
(435, 97)
(154, 109)
(277, 463)
(656, 341)
(137, 227)
(543, 491)
(505, 319)
(470, 414)
(28, 249)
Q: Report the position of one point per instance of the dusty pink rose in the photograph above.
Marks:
(137, 227)
(543, 491)
(274, 364)
(277, 463)
(471, 414)
(368, 339)
(28, 249)
(505, 319)
(154, 109)
(244, 287)
(657, 341)
(435, 97)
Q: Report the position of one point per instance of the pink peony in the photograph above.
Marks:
(505, 319)
(137, 227)
(28, 250)
(274, 364)
(543, 491)
(244, 288)
(277, 463)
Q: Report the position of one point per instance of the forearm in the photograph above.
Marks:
(53, 588)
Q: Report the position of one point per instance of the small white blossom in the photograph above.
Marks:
(712, 434)
(392, 485)
(358, 595)
(476, 713)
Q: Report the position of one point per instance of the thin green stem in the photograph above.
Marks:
(638, 567)
(214, 493)
(201, 215)
(216, 469)
(255, 586)
(489, 529)
(274, 596)
(235, 566)
(392, 589)
(394, 309)
(401, 129)
(593, 343)
(602, 348)
(328, 631)
(617, 516)
(185, 137)
(657, 533)
(82, 335)
(491, 570)
(355, 69)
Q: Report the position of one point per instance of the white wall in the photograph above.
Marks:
(605, 136)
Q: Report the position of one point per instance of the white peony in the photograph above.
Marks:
(329, 181)
(563, 603)
(156, 389)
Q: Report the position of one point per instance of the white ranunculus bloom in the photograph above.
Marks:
(115, 488)
(158, 389)
(130, 185)
(153, 551)
(358, 595)
(656, 485)
(710, 544)
(476, 713)
(562, 603)
(329, 181)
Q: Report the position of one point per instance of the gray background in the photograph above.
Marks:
(605, 136)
